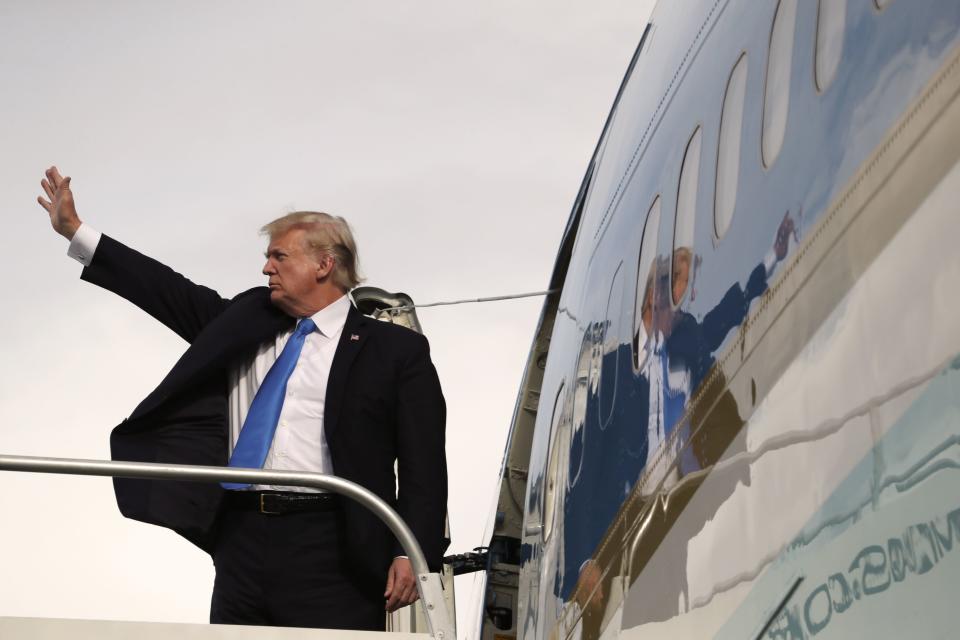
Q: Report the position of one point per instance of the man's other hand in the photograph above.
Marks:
(59, 203)
(401, 585)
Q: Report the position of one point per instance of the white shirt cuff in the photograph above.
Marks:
(84, 244)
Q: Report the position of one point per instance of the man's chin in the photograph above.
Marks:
(278, 300)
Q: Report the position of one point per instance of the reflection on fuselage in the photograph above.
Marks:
(861, 433)
(681, 351)
(709, 436)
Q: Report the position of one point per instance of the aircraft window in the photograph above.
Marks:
(728, 154)
(776, 98)
(830, 27)
(646, 285)
(686, 216)
(608, 353)
(559, 440)
(587, 371)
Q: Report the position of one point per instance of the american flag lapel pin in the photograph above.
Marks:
(354, 337)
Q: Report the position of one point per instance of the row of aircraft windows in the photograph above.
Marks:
(654, 281)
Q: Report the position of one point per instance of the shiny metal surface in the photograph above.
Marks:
(397, 308)
(428, 584)
(702, 459)
(855, 446)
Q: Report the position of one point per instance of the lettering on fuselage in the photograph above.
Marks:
(875, 569)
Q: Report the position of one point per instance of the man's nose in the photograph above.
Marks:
(268, 269)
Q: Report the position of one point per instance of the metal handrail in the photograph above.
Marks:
(428, 584)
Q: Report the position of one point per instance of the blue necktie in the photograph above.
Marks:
(256, 435)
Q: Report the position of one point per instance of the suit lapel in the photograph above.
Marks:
(352, 339)
(250, 321)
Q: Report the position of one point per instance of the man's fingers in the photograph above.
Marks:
(43, 203)
(54, 175)
(47, 189)
(401, 601)
(386, 594)
(410, 595)
(403, 593)
(409, 590)
(401, 585)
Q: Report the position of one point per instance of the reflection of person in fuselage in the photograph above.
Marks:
(685, 347)
(675, 352)
(682, 355)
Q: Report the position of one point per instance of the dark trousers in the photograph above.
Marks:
(288, 570)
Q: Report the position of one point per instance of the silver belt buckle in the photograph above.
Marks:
(263, 507)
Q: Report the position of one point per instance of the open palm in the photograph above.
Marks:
(59, 203)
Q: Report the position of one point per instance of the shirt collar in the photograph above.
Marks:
(331, 318)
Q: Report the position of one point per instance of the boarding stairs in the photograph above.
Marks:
(437, 618)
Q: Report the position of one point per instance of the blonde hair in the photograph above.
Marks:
(325, 235)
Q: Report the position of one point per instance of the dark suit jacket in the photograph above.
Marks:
(383, 404)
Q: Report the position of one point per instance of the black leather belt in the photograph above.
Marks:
(277, 502)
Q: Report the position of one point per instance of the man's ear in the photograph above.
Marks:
(325, 266)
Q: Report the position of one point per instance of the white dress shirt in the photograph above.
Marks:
(299, 443)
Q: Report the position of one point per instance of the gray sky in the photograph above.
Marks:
(453, 138)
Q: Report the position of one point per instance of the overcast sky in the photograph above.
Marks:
(453, 137)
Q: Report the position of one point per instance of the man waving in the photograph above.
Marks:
(286, 377)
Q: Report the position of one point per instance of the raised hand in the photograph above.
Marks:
(59, 203)
(782, 242)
